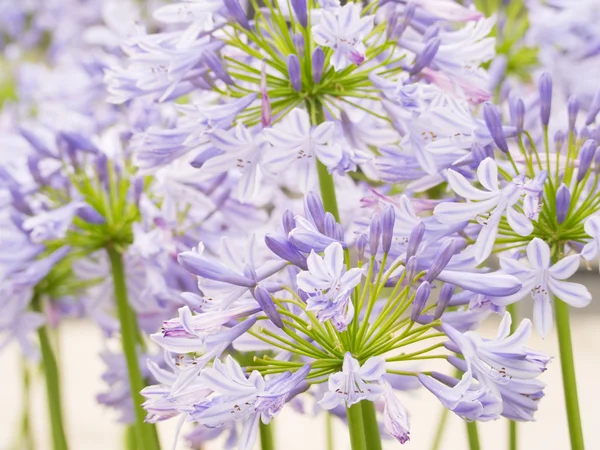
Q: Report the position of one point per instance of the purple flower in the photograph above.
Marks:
(355, 382)
(294, 72)
(541, 280)
(489, 206)
(395, 418)
(344, 30)
(329, 286)
(494, 361)
(238, 398)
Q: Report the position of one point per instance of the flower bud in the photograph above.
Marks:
(425, 58)
(563, 201)
(388, 219)
(289, 223)
(268, 306)
(318, 61)
(361, 244)
(572, 109)
(559, 140)
(237, 13)
(545, 89)
(414, 239)
(443, 256)
(445, 295)
(293, 66)
(301, 11)
(314, 209)
(594, 109)
(494, 125)
(421, 297)
(282, 248)
(517, 114)
(374, 234)
(585, 158)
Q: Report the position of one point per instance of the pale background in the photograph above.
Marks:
(92, 427)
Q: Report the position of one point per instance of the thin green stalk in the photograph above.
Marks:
(473, 436)
(26, 435)
(329, 431)
(356, 427)
(326, 184)
(439, 434)
(372, 437)
(145, 433)
(52, 378)
(567, 364)
(512, 425)
(267, 438)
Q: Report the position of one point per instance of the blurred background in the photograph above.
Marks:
(93, 427)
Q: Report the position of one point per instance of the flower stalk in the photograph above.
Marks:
(52, 379)
(473, 436)
(145, 434)
(567, 365)
(356, 427)
(512, 425)
(372, 437)
(267, 437)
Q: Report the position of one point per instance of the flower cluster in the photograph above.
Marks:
(295, 202)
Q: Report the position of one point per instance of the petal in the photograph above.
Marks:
(487, 236)
(538, 254)
(453, 212)
(542, 315)
(592, 226)
(518, 222)
(461, 186)
(373, 369)
(249, 433)
(487, 174)
(590, 250)
(334, 259)
(575, 294)
(566, 267)
(515, 267)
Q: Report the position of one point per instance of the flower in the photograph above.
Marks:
(355, 382)
(489, 206)
(329, 286)
(236, 397)
(344, 30)
(541, 280)
(395, 418)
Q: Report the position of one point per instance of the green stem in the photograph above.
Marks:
(52, 378)
(567, 364)
(439, 434)
(267, 439)
(326, 184)
(512, 435)
(26, 435)
(372, 437)
(512, 425)
(145, 433)
(329, 430)
(356, 427)
(473, 436)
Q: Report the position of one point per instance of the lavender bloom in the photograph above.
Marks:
(443, 300)
(465, 399)
(540, 280)
(492, 360)
(490, 206)
(243, 399)
(395, 418)
(586, 154)
(388, 219)
(572, 110)
(329, 286)
(517, 114)
(425, 57)
(344, 30)
(51, 224)
(354, 383)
